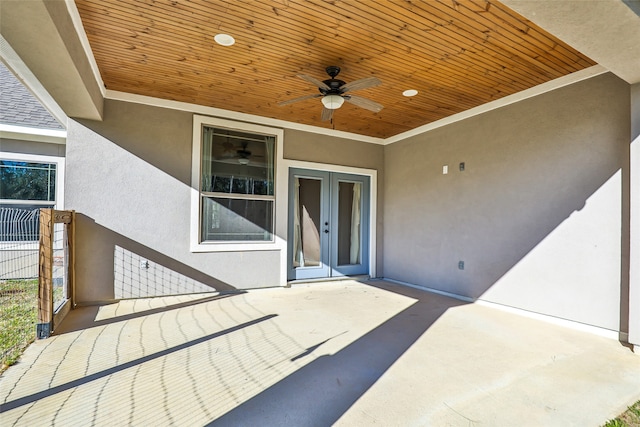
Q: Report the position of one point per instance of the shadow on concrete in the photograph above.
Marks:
(322, 391)
(26, 400)
(84, 317)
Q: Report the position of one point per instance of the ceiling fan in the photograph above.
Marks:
(239, 154)
(333, 92)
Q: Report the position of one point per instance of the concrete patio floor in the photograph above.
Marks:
(336, 353)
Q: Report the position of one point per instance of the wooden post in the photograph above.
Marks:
(45, 275)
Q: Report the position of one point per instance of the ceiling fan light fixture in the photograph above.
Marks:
(243, 161)
(332, 102)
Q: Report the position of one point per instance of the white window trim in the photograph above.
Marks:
(280, 191)
(38, 158)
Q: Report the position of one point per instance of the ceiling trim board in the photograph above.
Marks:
(22, 133)
(572, 78)
(576, 77)
(234, 115)
(84, 42)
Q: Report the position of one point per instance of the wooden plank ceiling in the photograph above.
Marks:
(458, 54)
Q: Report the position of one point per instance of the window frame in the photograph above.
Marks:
(58, 202)
(279, 191)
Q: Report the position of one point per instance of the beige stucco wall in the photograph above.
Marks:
(129, 180)
(537, 215)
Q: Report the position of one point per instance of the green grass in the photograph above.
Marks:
(18, 317)
(630, 418)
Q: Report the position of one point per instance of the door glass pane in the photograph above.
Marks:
(349, 222)
(306, 222)
(236, 219)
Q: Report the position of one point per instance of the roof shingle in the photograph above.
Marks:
(18, 107)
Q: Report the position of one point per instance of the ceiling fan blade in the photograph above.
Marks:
(315, 81)
(300, 98)
(327, 114)
(365, 83)
(364, 103)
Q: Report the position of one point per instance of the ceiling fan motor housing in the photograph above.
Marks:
(243, 153)
(333, 83)
(333, 71)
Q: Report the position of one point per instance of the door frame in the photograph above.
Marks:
(373, 204)
(323, 270)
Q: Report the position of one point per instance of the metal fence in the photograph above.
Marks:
(60, 265)
(36, 276)
(19, 235)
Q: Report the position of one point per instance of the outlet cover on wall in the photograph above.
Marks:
(461, 265)
(445, 169)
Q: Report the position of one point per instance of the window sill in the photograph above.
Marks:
(235, 247)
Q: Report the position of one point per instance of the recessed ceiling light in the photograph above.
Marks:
(224, 39)
(410, 92)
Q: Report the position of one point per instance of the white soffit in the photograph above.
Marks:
(42, 33)
(26, 77)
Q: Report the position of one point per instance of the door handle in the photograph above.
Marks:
(326, 231)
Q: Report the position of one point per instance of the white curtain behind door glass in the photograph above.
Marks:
(298, 258)
(354, 255)
(310, 240)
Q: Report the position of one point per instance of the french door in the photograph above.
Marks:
(328, 224)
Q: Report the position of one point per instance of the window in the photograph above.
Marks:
(236, 185)
(27, 182)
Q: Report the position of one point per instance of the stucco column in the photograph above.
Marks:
(634, 252)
